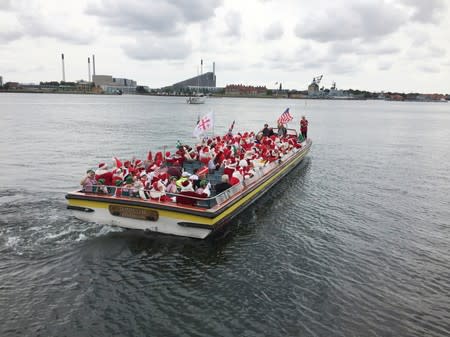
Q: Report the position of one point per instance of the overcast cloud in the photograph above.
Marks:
(395, 45)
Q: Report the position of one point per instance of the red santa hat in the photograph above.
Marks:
(102, 166)
(117, 162)
(138, 163)
(202, 170)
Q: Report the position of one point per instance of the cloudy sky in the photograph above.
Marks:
(391, 45)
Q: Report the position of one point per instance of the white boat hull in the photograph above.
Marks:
(195, 100)
(164, 225)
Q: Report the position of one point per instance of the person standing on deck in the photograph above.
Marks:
(282, 131)
(304, 127)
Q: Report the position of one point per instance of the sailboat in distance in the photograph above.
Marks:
(197, 97)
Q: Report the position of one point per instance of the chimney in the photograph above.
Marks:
(63, 69)
(214, 74)
(93, 65)
(89, 69)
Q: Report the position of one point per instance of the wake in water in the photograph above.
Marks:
(30, 224)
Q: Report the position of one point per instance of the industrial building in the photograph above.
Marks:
(112, 85)
(203, 82)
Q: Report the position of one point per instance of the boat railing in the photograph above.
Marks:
(227, 194)
(179, 198)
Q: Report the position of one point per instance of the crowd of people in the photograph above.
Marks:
(162, 176)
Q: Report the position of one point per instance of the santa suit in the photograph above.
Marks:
(104, 174)
(304, 128)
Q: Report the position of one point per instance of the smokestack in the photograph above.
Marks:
(214, 74)
(201, 67)
(93, 65)
(89, 69)
(63, 69)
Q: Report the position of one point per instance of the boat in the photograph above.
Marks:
(189, 214)
(196, 99)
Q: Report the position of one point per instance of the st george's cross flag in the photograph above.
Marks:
(204, 124)
(285, 117)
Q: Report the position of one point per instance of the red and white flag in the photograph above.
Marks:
(204, 124)
(285, 117)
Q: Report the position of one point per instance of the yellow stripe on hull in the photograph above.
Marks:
(163, 213)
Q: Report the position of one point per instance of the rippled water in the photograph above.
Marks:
(354, 242)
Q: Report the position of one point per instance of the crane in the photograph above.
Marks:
(317, 79)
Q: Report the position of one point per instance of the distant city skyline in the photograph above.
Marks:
(374, 45)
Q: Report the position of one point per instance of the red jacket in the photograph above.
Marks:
(304, 125)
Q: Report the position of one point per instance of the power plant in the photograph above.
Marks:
(203, 81)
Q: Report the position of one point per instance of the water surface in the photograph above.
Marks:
(354, 242)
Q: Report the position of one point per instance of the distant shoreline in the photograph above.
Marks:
(74, 92)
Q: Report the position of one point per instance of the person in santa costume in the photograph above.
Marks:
(187, 186)
(304, 127)
(144, 180)
(205, 155)
(117, 176)
(103, 173)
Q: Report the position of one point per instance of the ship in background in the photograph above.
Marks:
(314, 91)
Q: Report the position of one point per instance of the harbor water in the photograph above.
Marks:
(353, 242)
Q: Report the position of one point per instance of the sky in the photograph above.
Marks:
(375, 45)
